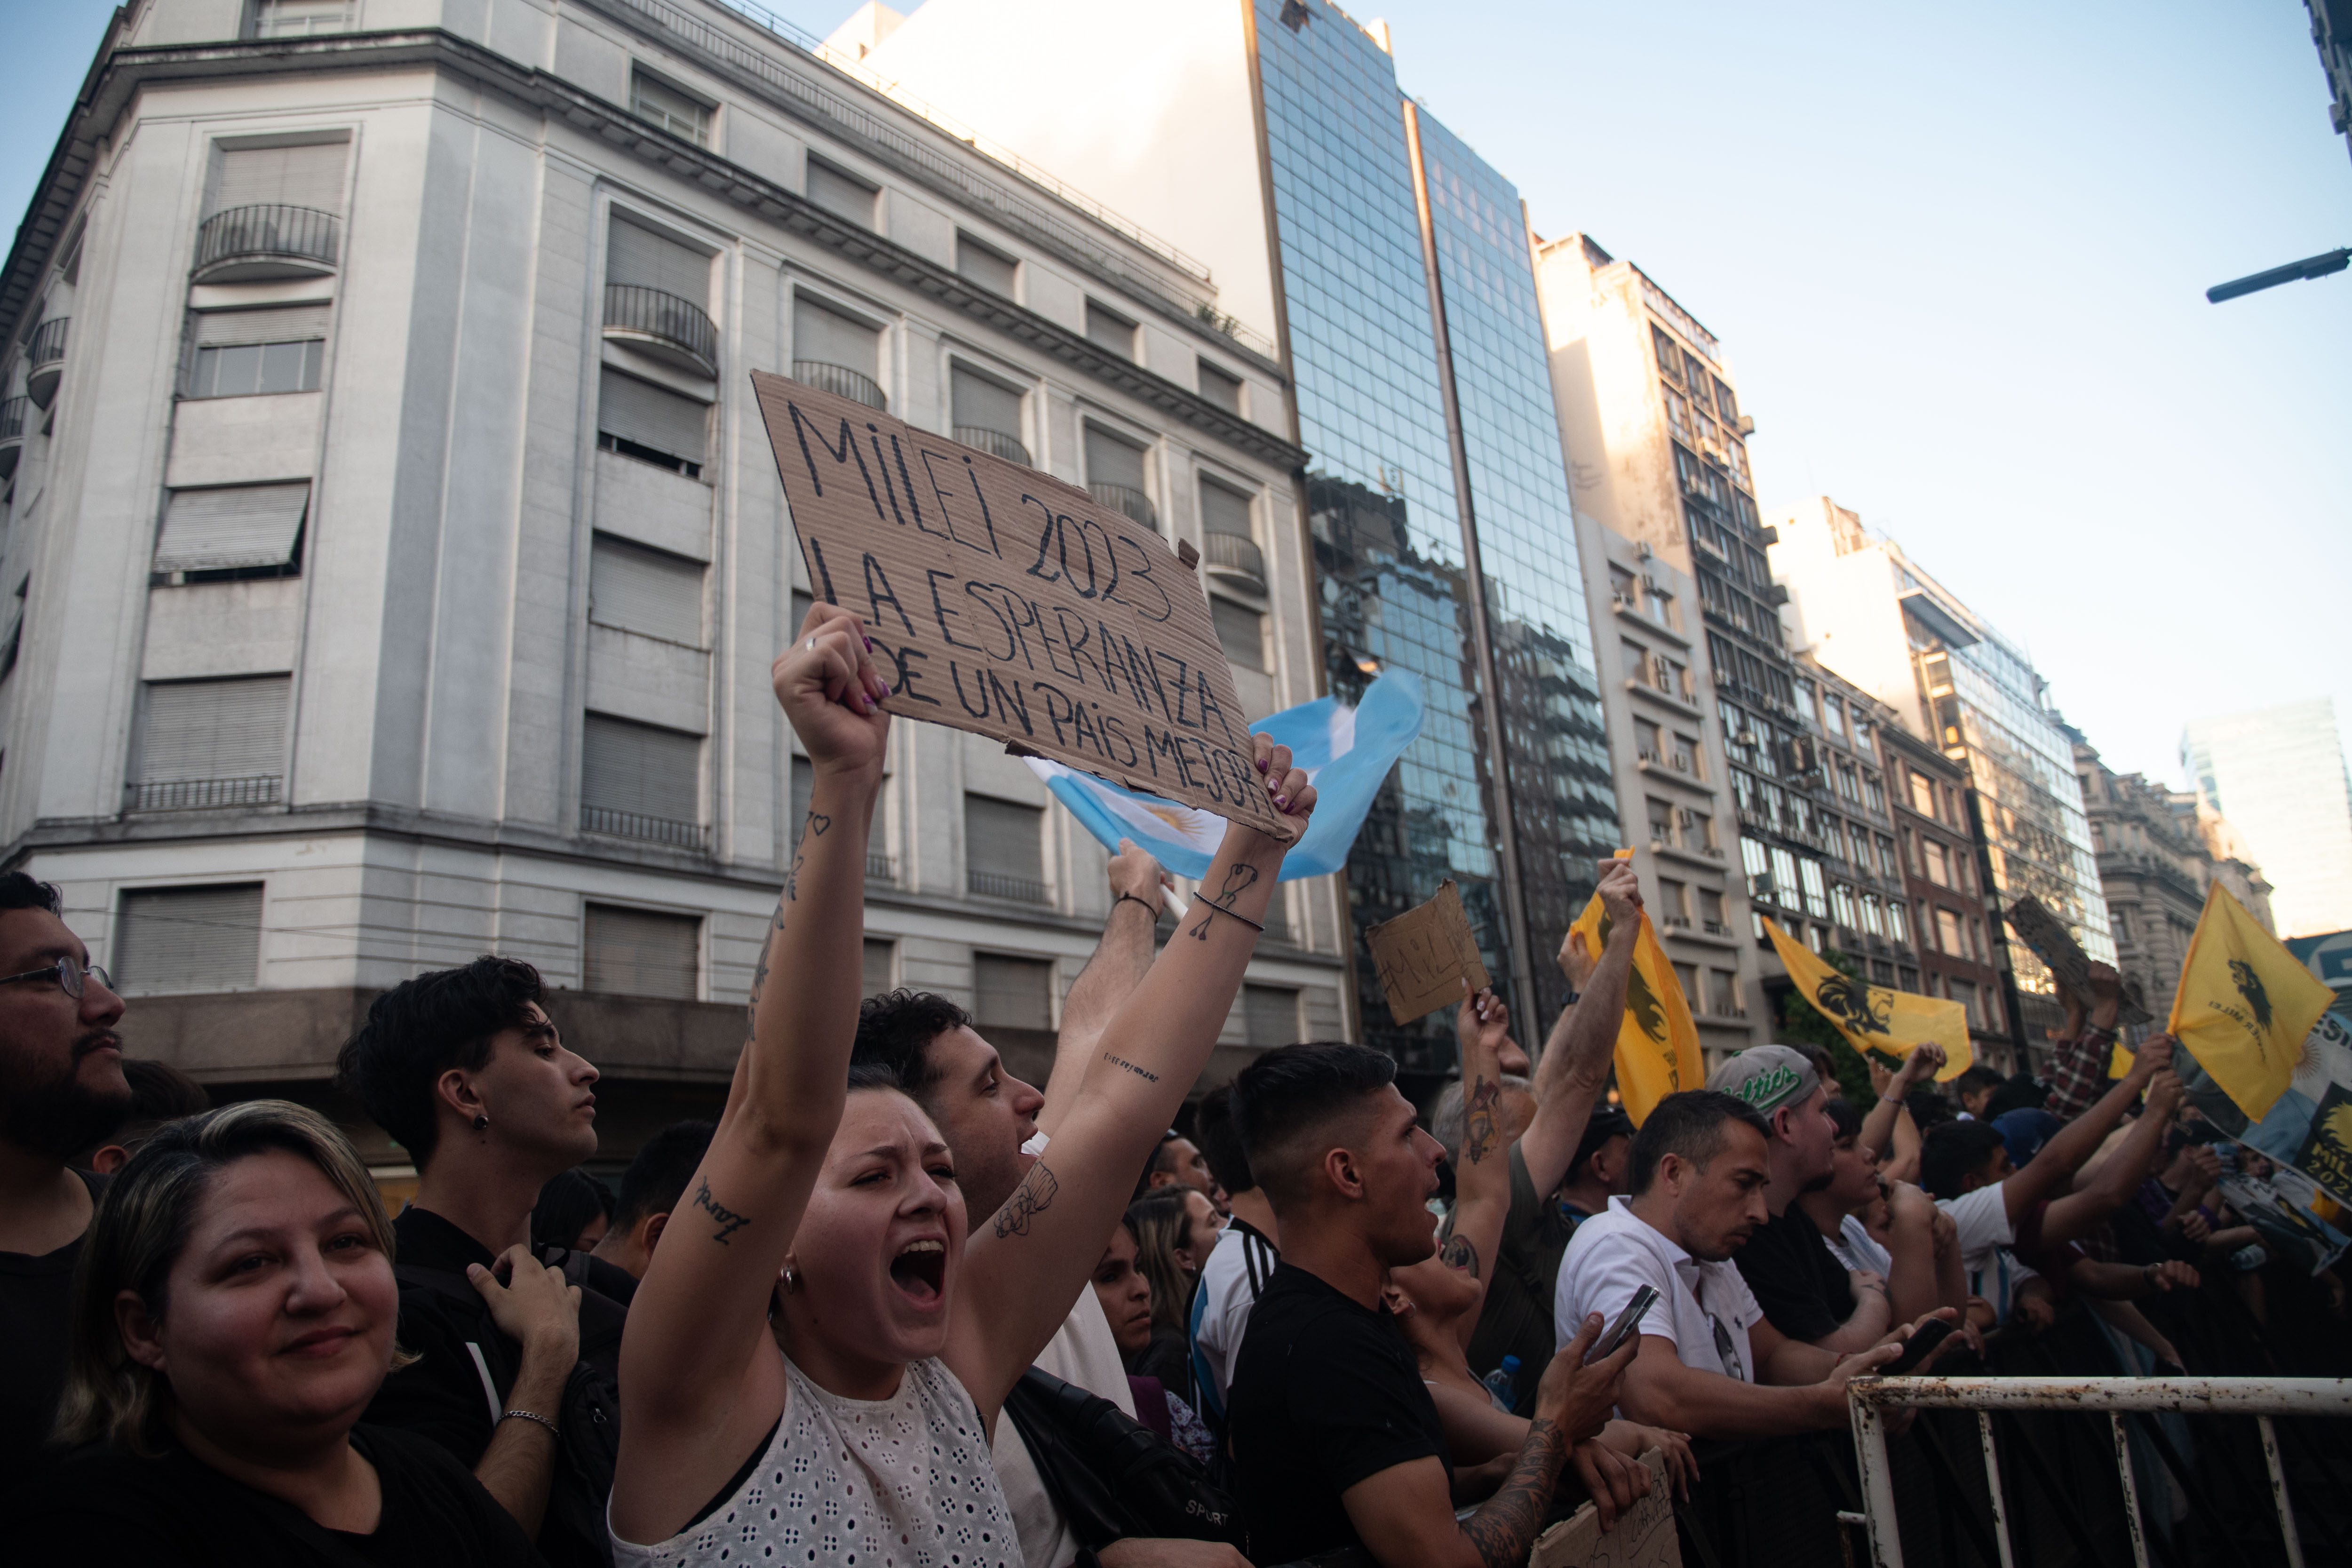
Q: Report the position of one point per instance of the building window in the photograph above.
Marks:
(1108, 329)
(649, 592)
(1817, 901)
(983, 264)
(1114, 475)
(1898, 924)
(986, 413)
(1755, 861)
(641, 953)
(231, 531)
(679, 113)
(1674, 907)
(246, 354)
(1241, 632)
(640, 781)
(1841, 908)
(171, 940)
(1677, 413)
(1923, 794)
(1013, 992)
(1269, 1015)
(877, 966)
(1689, 757)
(1005, 849)
(1662, 822)
(310, 177)
(210, 743)
(1221, 387)
(1872, 922)
(1710, 910)
(1698, 831)
(1948, 933)
(1686, 976)
(1670, 355)
(302, 18)
(1888, 864)
(1723, 995)
(652, 424)
(1938, 859)
(1785, 890)
(841, 193)
(1873, 794)
(637, 258)
(1833, 709)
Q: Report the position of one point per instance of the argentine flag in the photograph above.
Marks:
(1345, 752)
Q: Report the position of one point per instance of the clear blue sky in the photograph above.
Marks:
(1958, 257)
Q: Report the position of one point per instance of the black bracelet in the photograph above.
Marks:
(1229, 915)
(1131, 898)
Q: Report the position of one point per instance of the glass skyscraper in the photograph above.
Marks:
(2278, 774)
(1438, 504)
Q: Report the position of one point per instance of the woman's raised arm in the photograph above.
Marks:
(1026, 1264)
(687, 1358)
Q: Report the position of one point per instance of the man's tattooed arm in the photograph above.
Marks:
(1479, 1132)
(1458, 1253)
(1505, 1524)
(1032, 1197)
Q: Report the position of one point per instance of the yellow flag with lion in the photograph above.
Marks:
(1876, 1017)
(1658, 1043)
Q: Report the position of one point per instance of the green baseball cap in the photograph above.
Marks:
(1767, 1076)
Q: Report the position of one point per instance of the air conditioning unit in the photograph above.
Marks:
(1682, 819)
(1643, 552)
(1620, 602)
(1682, 762)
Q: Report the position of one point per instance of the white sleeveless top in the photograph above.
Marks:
(903, 1482)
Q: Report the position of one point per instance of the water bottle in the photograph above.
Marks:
(2249, 1258)
(1502, 1383)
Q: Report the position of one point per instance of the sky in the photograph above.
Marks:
(1956, 257)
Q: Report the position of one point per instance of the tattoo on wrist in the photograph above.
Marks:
(1032, 1197)
(1505, 1525)
(1237, 877)
(730, 1222)
(1479, 1133)
(1117, 1060)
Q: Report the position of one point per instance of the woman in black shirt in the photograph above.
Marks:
(233, 1312)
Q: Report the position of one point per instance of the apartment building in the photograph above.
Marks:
(1388, 264)
(2278, 776)
(1945, 870)
(394, 555)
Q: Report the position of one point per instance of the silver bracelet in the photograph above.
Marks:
(531, 1415)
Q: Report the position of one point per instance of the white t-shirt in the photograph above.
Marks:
(1857, 1249)
(1982, 1217)
(1083, 1352)
(1705, 1308)
(1221, 1306)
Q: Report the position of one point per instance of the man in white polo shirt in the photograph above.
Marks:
(1709, 1364)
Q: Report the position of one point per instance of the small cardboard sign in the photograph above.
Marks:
(1005, 602)
(1644, 1536)
(1423, 954)
(2056, 946)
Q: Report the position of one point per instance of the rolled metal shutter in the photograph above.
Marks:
(231, 526)
(641, 770)
(644, 591)
(981, 403)
(642, 952)
(188, 939)
(213, 729)
(310, 177)
(653, 416)
(294, 324)
(1002, 838)
(638, 255)
(1013, 993)
(828, 337)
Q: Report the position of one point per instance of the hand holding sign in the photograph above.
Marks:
(831, 693)
(1426, 954)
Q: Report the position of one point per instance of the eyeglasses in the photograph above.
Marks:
(67, 974)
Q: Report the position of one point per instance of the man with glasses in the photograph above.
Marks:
(1710, 1364)
(61, 1090)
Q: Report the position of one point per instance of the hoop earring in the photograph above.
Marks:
(482, 1119)
(791, 1280)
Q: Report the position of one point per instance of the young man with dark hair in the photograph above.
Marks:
(466, 1070)
(61, 1090)
(651, 1189)
(1336, 1440)
(1699, 1167)
(1974, 1088)
(1241, 1263)
(1178, 1163)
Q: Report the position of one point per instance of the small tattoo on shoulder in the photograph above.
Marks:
(1032, 1197)
(730, 1222)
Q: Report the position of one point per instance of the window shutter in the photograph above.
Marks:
(296, 324)
(644, 591)
(653, 416)
(1269, 1014)
(874, 971)
(844, 196)
(1223, 511)
(1239, 633)
(310, 177)
(1013, 993)
(642, 952)
(1221, 388)
(981, 403)
(638, 255)
(1111, 461)
(828, 337)
(641, 770)
(171, 940)
(990, 270)
(1002, 838)
(235, 525)
(1104, 330)
(213, 729)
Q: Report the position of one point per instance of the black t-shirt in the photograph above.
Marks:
(177, 1512)
(1515, 1319)
(36, 1303)
(1325, 1393)
(1804, 1290)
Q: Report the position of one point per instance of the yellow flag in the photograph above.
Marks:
(1874, 1018)
(1657, 1044)
(2244, 1004)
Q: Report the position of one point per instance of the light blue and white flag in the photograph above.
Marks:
(1345, 752)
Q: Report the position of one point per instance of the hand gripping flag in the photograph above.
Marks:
(1346, 752)
(2244, 1004)
(1872, 1017)
(1657, 1044)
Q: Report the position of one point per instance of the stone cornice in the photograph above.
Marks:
(120, 74)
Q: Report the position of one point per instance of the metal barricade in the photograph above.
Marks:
(1869, 1400)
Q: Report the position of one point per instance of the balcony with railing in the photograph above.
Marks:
(199, 795)
(663, 327)
(995, 885)
(1126, 499)
(16, 413)
(841, 381)
(612, 824)
(1236, 556)
(880, 868)
(251, 244)
(995, 443)
(45, 358)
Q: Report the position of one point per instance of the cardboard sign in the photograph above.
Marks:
(2056, 946)
(1644, 1536)
(1006, 603)
(1423, 954)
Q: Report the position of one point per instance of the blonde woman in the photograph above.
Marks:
(233, 1316)
(816, 1360)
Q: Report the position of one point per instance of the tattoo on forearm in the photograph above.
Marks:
(1480, 1134)
(1505, 1526)
(1458, 1253)
(1117, 1060)
(1237, 877)
(1032, 1197)
(730, 1222)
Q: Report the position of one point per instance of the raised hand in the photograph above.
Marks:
(832, 692)
(1921, 1066)
(1620, 891)
(1135, 874)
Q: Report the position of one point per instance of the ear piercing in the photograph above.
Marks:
(480, 1120)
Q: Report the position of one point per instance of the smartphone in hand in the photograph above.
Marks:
(1919, 1347)
(1614, 1336)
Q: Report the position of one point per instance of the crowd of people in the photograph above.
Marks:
(896, 1306)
